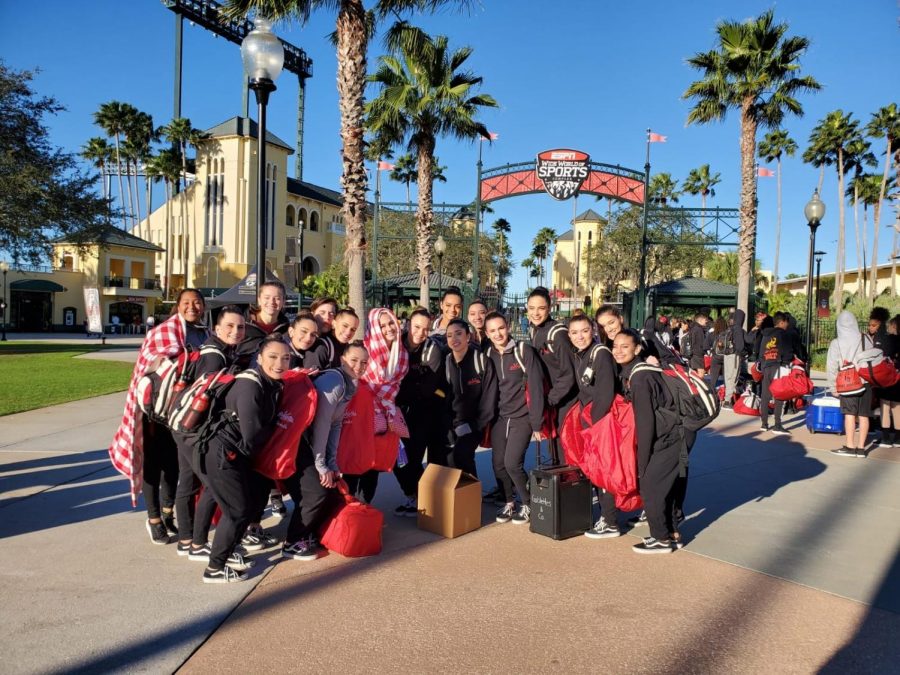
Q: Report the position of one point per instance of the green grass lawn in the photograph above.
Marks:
(50, 375)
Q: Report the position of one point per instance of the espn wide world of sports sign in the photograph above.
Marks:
(562, 173)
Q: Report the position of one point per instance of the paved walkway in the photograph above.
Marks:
(792, 565)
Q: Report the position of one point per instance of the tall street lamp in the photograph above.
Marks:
(4, 267)
(263, 58)
(814, 212)
(440, 247)
(300, 285)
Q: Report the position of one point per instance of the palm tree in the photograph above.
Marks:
(112, 118)
(166, 166)
(867, 189)
(543, 240)
(405, 172)
(423, 95)
(663, 189)
(98, 152)
(139, 135)
(351, 39)
(856, 159)
(180, 132)
(502, 228)
(754, 70)
(773, 146)
(885, 123)
(700, 182)
(828, 143)
(531, 265)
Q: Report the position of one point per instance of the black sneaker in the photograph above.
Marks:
(523, 515)
(226, 575)
(763, 427)
(157, 532)
(638, 520)
(727, 406)
(407, 509)
(239, 563)
(305, 549)
(505, 514)
(779, 430)
(603, 531)
(861, 453)
(279, 510)
(199, 553)
(651, 545)
(168, 520)
(183, 549)
(257, 539)
(844, 451)
(677, 540)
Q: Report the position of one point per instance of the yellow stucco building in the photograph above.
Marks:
(569, 272)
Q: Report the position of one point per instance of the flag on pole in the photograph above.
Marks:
(763, 172)
(493, 136)
(385, 166)
(656, 138)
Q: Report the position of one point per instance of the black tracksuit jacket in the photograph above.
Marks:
(551, 341)
(776, 347)
(316, 357)
(655, 415)
(256, 406)
(472, 391)
(511, 383)
(253, 336)
(597, 381)
(214, 355)
(422, 382)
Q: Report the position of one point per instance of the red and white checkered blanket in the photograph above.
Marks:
(386, 368)
(127, 450)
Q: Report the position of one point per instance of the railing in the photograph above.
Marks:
(134, 283)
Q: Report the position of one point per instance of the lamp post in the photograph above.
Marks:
(814, 212)
(263, 58)
(818, 255)
(440, 247)
(4, 267)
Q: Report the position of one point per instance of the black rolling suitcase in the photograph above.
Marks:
(561, 501)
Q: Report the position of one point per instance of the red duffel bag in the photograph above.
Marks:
(877, 369)
(748, 404)
(570, 435)
(707, 362)
(791, 383)
(354, 530)
(755, 371)
(387, 447)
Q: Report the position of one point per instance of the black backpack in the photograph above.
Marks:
(724, 343)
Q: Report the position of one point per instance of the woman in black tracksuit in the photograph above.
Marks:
(217, 353)
(659, 440)
(595, 373)
(472, 389)
(519, 414)
(550, 339)
(251, 407)
(423, 401)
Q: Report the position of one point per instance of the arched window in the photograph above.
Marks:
(302, 218)
(289, 216)
(314, 222)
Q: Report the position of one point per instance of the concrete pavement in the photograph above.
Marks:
(791, 565)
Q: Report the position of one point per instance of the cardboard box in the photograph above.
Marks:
(449, 501)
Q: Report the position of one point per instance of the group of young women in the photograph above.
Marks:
(443, 385)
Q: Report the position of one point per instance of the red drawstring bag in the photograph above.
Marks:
(610, 453)
(386, 447)
(748, 404)
(354, 530)
(848, 382)
(707, 362)
(278, 458)
(356, 447)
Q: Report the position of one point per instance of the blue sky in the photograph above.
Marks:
(583, 74)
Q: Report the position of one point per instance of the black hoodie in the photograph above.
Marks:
(512, 382)
(316, 357)
(551, 341)
(255, 401)
(472, 389)
(253, 335)
(424, 379)
(656, 418)
(654, 346)
(597, 381)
